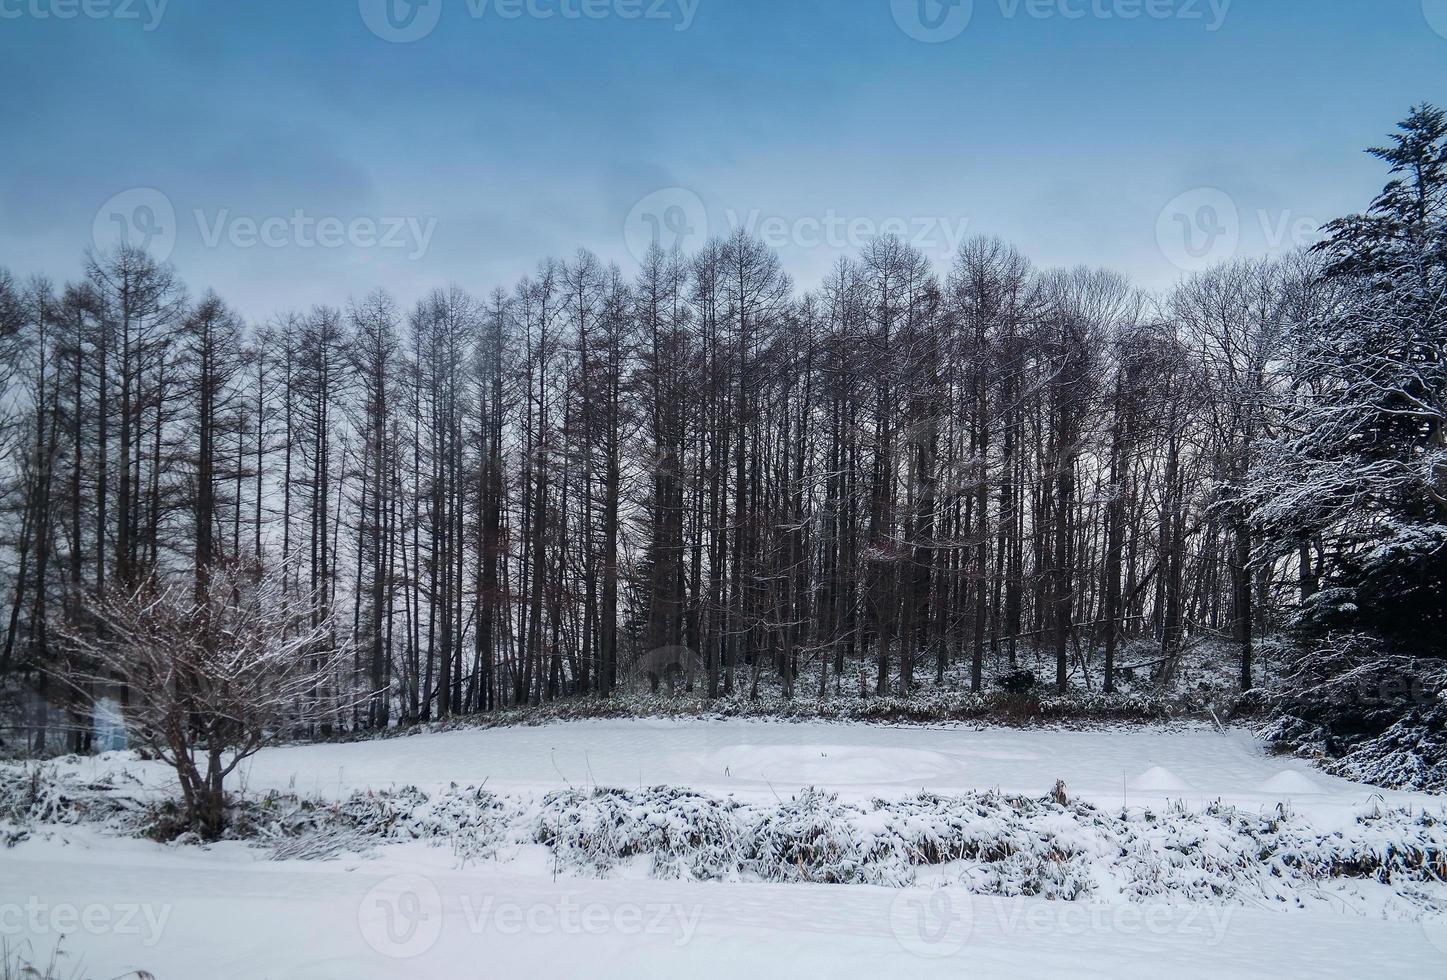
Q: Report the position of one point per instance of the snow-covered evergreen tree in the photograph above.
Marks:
(1359, 470)
(1362, 464)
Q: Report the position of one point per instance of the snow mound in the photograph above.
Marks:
(1159, 780)
(1290, 781)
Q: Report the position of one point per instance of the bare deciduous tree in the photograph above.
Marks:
(213, 672)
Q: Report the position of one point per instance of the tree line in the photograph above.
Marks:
(693, 475)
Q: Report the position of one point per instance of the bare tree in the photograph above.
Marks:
(215, 673)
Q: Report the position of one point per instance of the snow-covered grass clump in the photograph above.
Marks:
(682, 834)
(38, 794)
(469, 819)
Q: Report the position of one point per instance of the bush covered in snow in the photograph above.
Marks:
(814, 837)
(470, 819)
(683, 834)
(1366, 712)
(36, 794)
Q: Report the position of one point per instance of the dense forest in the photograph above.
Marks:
(699, 475)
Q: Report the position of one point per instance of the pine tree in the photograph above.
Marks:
(1362, 465)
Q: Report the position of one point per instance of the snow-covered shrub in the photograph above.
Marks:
(1007, 845)
(1056, 876)
(37, 794)
(1373, 714)
(1018, 682)
(473, 821)
(411, 814)
(291, 828)
(26, 789)
(1412, 754)
(691, 835)
(1383, 844)
(471, 818)
(590, 829)
(814, 837)
(1210, 857)
(936, 830)
(281, 815)
(380, 813)
(685, 834)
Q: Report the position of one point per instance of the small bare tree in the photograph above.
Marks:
(213, 669)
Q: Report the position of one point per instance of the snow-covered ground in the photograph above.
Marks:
(226, 913)
(759, 760)
(413, 910)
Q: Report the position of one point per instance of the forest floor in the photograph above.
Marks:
(1188, 850)
(1205, 688)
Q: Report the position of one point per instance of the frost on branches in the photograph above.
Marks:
(1359, 473)
(210, 670)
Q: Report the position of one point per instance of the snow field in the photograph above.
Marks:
(760, 760)
(648, 848)
(412, 913)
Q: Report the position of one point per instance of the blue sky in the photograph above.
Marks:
(307, 157)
